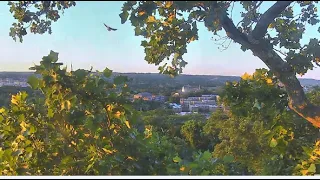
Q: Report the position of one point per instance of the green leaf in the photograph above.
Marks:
(205, 173)
(7, 155)
(50, 113)
(273, 142)
(137, 31)
(28, 142)
(107, 72)
(307, 150)
(171, 170)
(193, 165)
(312, 168)
(33, 81)
(124, 16)
(53, 56)
(144, 43)
(32, 129)
(29, 149)
(177, 159)
(80, 74)
(89, 167)
(266, 132)
(206, 155)
(66, 160)
(228, 158)
(21, 117)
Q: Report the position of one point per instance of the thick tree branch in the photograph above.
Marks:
(261, 27)
(298, 101)
(233, 32)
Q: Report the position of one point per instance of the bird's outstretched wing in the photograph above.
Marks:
(109, 28)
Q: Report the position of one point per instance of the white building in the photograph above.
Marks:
(176, 107)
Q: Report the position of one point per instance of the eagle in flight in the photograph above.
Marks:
(109, 28)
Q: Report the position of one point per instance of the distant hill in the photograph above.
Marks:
(151, 78)
(309, 82)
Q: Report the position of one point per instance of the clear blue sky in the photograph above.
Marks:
(80, 37)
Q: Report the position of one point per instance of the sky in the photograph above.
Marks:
(81, 39)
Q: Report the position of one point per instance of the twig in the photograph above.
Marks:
(226, 47)
(232, 8)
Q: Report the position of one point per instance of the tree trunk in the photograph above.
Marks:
(298, 101)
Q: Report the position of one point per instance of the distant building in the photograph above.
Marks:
(188, 88)
(159, 98)
(144, 95)
(149, 97)
(203, 103)
(176, 107)
(193, 108)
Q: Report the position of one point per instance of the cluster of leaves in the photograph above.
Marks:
(259, 131)
(314, 96)
(167, 122)
(7, 91)
(259, 87)
(82, 125)
(39, 21)
(167, 36)
(259, 135)
(191, 131)
(310, 163)
(203, 163)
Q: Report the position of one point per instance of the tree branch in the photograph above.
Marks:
(298, 101)
(233, 32)
(261, 27)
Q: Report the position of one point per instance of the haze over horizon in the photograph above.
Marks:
(81, 39)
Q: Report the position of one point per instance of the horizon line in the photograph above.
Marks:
(30, 71)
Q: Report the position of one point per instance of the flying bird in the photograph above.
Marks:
(109, 28)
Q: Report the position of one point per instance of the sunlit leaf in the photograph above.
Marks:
(273, 142)
(151, 19)
(128, 124)
(312, 168)
(177, 159)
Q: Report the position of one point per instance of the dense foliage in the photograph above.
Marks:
(7, 91)
(84, 124)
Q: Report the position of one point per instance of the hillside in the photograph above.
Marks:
(164, 80)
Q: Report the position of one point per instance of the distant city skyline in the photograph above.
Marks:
(81, 39)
